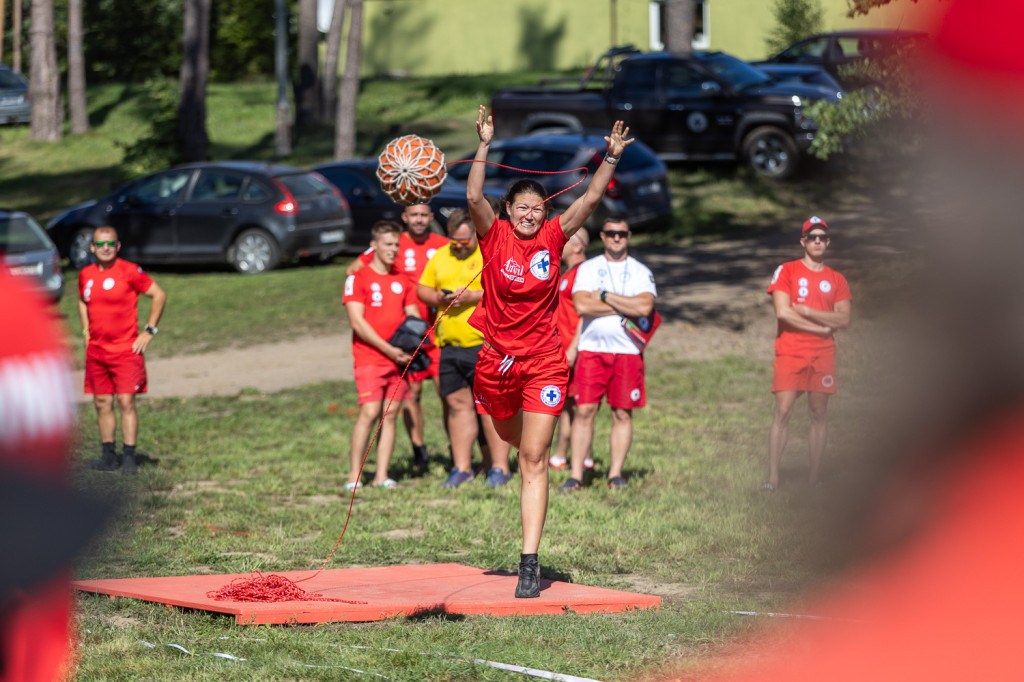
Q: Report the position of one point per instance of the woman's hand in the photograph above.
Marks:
(617, 141)
(484, 126)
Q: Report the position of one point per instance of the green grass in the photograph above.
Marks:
(254, 482)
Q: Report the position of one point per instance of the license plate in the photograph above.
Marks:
(36, 269)
(332, 237)
(650, 188)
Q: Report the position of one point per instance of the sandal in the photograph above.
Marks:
(617, 483)
(571, 486)
(349, 487)
(386, 483)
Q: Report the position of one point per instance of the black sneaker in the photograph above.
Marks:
(108, 462)
(529, 580)
(128, 466)
(420, 457)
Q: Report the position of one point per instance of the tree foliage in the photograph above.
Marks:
(855, 7)
(794, 19)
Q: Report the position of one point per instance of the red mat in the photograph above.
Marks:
(388, 592)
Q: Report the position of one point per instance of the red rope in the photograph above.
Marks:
(274, 588)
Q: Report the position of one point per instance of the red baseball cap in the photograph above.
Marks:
(812, 222)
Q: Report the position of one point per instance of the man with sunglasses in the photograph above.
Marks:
(609, 288)
(811, 302)
(108, 296)
(451, 284)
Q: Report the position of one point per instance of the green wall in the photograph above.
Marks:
(431, 37)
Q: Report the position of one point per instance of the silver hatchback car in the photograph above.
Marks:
(26, 251)
(14, 103)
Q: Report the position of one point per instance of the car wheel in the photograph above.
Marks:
(254, 251)
(79, 253)
(771, 152)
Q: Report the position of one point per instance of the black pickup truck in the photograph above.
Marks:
(701, 106)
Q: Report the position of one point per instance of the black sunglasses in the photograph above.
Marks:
(621, 234)
(816, 237)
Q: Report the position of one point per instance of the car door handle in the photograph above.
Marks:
(676, 107)
(626, 106)
(167, 213)
(229, 211)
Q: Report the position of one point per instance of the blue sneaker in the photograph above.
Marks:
(457, 478)
(497, 478)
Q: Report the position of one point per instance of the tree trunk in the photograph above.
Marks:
(16, 36)
(44, 79)
(345, 124)
(3, 23)
(283, 114)
(679, 25)
(329, 79)
(76, 70)
(307, 89)
(193, 142)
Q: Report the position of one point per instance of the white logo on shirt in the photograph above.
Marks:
(108, 283)
(802, 281)
(512, 270)
(350, 283)
(634, 395)
(377, 297)
(563, 285)
(396, 287)
(803, 291)
(430, 253)
(825, 286)
(375, 287)
(88, 291)
(540, 265)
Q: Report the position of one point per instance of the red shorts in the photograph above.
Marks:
(375, 383)
(107, 373)
(618, 376)
(503, 386)
(432, 371)
(795, 373)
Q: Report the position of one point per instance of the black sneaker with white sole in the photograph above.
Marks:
(529, 580)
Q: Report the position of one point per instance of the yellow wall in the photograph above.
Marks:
(432, 37)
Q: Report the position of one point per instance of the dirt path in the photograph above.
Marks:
(711, 297)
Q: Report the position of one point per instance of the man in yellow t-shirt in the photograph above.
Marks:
(450, 282)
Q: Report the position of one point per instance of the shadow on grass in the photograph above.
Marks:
(435, 612)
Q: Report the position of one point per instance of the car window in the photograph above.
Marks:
(638, 80)
(348, 181)
(255, 191)
(853, 48)
(9, 79)
(214, 184)
(304, 184)
(21, 234)
(682, 81)
(736, 73)
(807, 51)
(162, 187)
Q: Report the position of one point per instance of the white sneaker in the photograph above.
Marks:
(557, 463)
(588, 463)
(349, 487)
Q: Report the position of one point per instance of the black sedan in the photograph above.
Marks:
(249, 214)
(357, 180)
(27, 252)
(638, 189)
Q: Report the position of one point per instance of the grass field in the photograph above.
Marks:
(254, 482)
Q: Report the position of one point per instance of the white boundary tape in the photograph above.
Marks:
(531, 672)
(793, 615)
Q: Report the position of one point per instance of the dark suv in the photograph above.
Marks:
(248, 214)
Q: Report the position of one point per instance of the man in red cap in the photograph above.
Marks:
(811, 302)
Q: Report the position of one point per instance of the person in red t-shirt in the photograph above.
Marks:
(811, 302)
(568, 322)
(108, 297)
(415, 247)
(522, 374)
(377, 300)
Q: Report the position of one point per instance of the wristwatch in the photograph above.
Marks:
(604, 296)
(151, 330)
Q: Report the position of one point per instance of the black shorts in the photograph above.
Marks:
(457, 368)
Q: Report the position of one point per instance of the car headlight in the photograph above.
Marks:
(805, 122)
